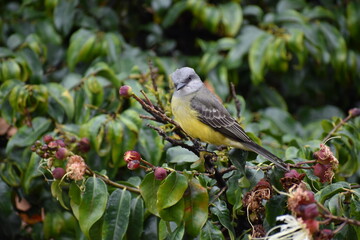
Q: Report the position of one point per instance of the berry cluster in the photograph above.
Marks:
(133, 159)
(60, 158)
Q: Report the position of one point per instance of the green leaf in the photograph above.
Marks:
(256, 57)
(329, 191)
(31, 172)
(148, 189)
(178, 233)
(63, 97)
(75, 199)
(196, 207)
(136, 221)
(171, 190)
(174, 213)
(173, 13)
(180, 155)
(272, 97)
(211, 232)
(56, 191)
(84, 46)
(26, 136)
(222, 212)
(10, 173)
(104, 70)
(353, 19)
(93, 204)
(64, 15)
(117, 213)
(231, 17)
(275, 207)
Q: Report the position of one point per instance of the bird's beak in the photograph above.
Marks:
(180, 85)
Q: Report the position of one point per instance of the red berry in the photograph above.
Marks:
(160, 173)
(84, 145)
(132, 165)
(131, 156)
(53, 145)
(48, 138)
(61, 143)
(58, 173)
(125, 91)
(61, 153)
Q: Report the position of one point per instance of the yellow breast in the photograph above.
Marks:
(188, 120)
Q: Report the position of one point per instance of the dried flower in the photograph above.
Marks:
(75, 167)
(299, 196)
(253, 200)
(291, 178)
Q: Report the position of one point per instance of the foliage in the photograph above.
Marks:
(296, 63)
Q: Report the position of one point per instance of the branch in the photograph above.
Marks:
(109, 182)
(355, 112)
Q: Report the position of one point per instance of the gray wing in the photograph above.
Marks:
(214, 114)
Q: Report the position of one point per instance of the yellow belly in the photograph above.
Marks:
(187, 118)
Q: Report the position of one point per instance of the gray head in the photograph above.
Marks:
(186, 80)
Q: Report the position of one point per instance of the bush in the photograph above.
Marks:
(65, 127)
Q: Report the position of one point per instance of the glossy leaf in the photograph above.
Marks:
(26, 136)
(117, 213)
(196, 207)
(148, 189)
(331, 190)
(256, 57)
(63, 97)
(93, 204)
(171, 190)
(136, 221)
(231, 17)
(221, 211)
(210, 232)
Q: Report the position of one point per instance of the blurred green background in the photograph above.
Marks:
(295, 63)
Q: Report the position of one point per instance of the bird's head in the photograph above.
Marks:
(187, 79)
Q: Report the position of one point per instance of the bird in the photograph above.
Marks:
(202, 116)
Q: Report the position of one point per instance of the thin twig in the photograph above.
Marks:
(237, 102)
(351, 115)
(111, 183)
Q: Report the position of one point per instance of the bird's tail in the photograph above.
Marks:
(266, 154)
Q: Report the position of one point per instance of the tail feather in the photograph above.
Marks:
(266, 154)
